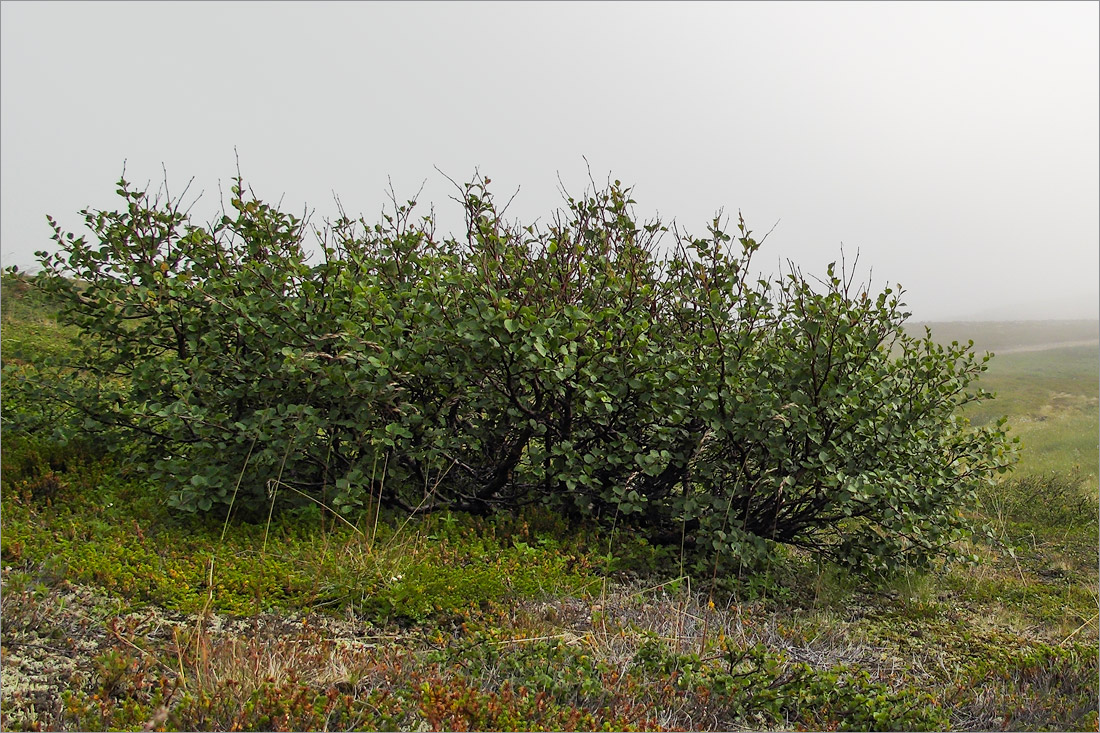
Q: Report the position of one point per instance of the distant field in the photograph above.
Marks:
(1051, 395)
(1004, 336)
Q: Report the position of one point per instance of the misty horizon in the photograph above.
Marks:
(956, 147)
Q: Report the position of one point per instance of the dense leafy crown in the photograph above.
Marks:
(581, 364)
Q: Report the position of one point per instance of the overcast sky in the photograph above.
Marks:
(955, 145)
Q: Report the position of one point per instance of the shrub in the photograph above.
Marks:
(1055, 499)
(575, 366)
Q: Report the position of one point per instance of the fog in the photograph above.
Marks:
(954, 146)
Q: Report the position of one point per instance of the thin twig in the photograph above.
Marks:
(119, 636)
(1078, 629)
(427, 495)
(319, 503)
(232, 499)
(274, 495)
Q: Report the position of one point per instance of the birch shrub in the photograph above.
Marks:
(610, 369)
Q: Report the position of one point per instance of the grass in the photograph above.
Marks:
(1011, 336)
(30, 327)
(1051, 395)
(111, 534)
(118, 615)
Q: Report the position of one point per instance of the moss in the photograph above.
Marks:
(401, 574)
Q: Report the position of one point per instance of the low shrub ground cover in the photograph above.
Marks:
(454, 622)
